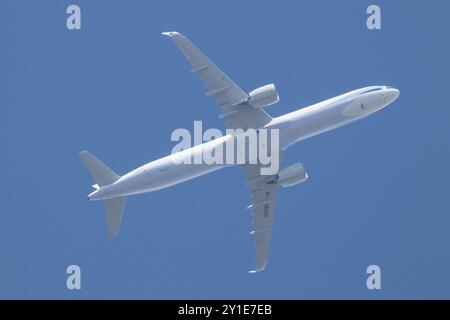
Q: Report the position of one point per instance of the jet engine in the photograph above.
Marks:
(264, 96)
(291, 175)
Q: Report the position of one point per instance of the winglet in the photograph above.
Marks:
(258, 269)
(170, 33)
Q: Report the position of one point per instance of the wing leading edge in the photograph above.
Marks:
(230, 97)
(264, 200)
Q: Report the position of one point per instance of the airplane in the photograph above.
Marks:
(239, 110)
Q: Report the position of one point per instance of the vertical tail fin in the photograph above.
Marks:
(104, 176)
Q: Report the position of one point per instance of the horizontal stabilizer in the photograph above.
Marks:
(99, 171)
(104, 176)
(114, 211)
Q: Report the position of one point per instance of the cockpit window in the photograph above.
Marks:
(372, 90)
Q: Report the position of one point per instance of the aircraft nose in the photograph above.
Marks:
(391, 94)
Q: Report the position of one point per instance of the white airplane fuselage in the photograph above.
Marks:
(293, 127)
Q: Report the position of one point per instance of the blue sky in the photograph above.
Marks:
(378, 188)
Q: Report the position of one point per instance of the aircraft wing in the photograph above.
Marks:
(264, 199)
(230, 97)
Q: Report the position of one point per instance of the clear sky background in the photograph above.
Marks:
(378, 191)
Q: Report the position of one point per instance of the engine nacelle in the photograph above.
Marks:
(263, 96)
(291, 175)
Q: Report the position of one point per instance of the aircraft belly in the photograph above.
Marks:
(175, 174)
(305, 125)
